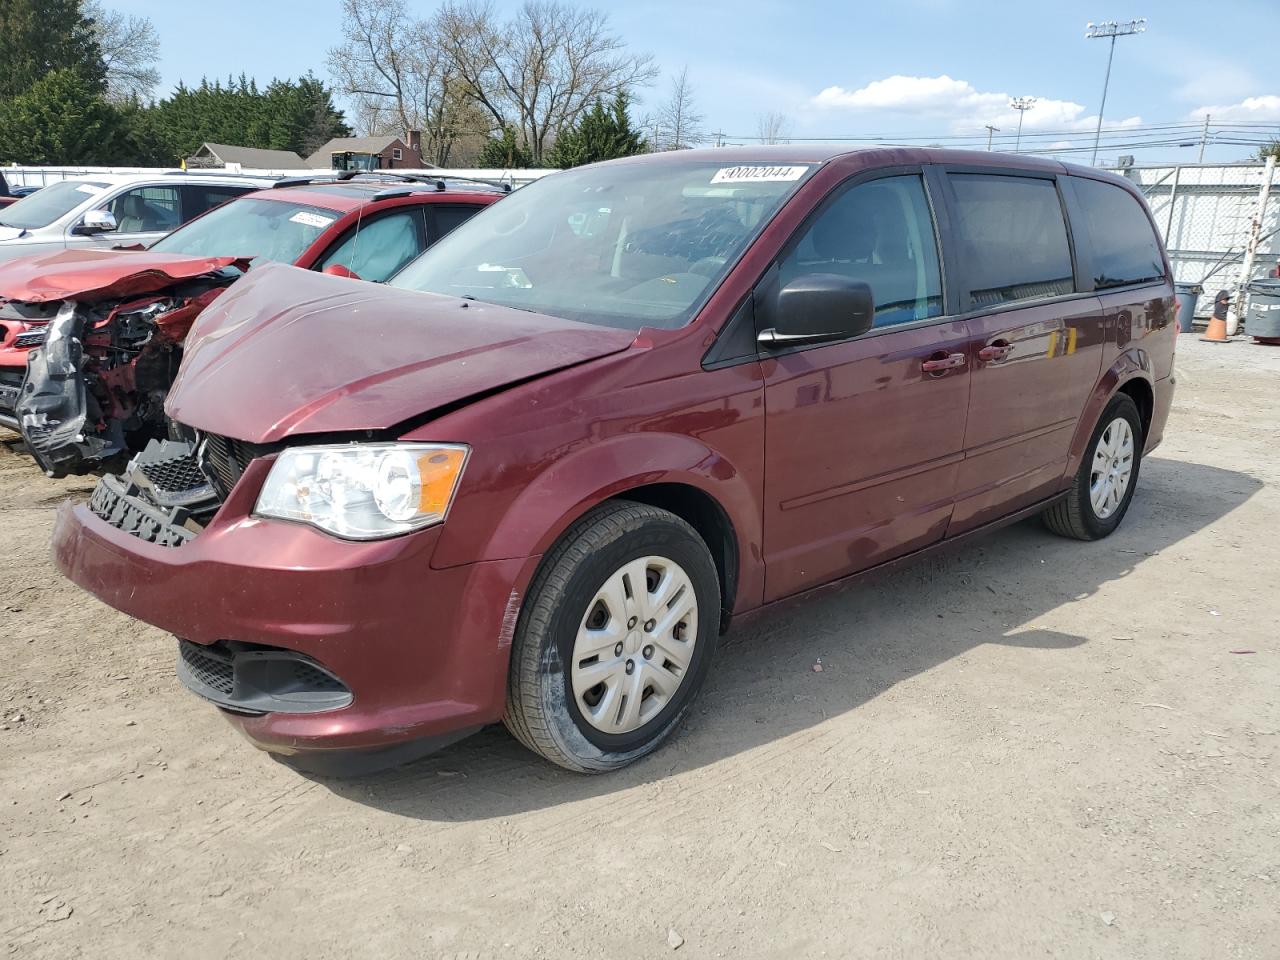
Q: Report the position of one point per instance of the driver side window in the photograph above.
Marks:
(146, 210)
(880, 233)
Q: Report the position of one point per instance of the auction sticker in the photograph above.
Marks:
(758, 174)
(311, 219)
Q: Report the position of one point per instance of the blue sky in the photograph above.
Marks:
(903, 68)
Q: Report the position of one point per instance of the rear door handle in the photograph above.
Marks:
(940, 362)
(995, 351)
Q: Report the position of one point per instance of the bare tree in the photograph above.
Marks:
(399, 78)
(773, 127)
(130, 51)
(679, 122)
(540, 71)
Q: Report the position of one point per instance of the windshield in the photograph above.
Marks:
(621, 244)
(251, 227)
(45, 206)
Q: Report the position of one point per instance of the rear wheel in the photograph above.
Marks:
(1103, 486)
(615, 639)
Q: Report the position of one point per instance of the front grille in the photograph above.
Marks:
(209, 666)
(10, 386)
(225, 459)
(175, 474)
(31, 338)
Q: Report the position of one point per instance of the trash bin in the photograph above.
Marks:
(1187, 294)
(1262, 320)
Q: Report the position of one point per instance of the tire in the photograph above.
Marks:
(1078, 515)
(570, 612)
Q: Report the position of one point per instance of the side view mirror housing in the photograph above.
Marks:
(819, 307)
(338, 270)
(97, 221)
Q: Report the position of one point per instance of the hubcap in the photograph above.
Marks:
(1112, 468)
(634, 645)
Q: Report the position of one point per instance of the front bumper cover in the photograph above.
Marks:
(422, 651)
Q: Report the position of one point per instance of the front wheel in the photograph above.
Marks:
(615, 638)
(1103, 486)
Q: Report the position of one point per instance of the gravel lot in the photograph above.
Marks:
(1030, 747)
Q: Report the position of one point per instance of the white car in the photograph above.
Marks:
(101, 211)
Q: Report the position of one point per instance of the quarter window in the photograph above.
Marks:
(880, 233)
(1015, 237)
(1122, 245)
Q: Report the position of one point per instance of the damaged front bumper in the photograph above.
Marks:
(417, 655)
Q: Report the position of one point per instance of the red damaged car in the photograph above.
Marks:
(534, 477)
(90, 341)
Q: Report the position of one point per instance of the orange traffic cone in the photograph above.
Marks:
(1217, 332)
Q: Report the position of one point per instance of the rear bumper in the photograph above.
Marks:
(424, 652)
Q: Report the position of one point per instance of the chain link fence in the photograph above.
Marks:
(1220, 223)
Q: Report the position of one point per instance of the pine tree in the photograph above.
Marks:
(503, 152)
(39, 37)
(63, 119)
(604, 133)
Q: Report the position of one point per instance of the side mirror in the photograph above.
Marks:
(338, 270)
(97, 221)
(819, 307)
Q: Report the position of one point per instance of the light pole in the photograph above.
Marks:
(1111, 29)
(1022, 105)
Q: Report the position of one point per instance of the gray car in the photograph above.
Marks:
(100, 211)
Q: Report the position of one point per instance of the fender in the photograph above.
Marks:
(1132, 364)
(574, 483)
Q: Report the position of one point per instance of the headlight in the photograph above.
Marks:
(363, 491)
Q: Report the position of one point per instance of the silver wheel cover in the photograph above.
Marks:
(1112, 468)
(634, 645)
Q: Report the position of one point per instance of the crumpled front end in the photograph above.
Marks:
(93, 387)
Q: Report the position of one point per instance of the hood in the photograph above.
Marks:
(89, 275)
(11, 233)
(288, 351)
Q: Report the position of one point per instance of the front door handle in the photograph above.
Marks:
(995, 351)
(940, 361)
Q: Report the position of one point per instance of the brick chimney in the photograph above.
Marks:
(413, 140)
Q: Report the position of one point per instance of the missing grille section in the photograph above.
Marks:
(250, 678)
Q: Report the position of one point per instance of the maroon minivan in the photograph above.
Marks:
(534, 477)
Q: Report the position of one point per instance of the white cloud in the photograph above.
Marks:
(958, 104)
(1250, 108)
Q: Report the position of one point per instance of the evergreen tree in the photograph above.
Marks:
(289, 115)
(63, 119)
(603, 133)
(39, 37)
(503, 152)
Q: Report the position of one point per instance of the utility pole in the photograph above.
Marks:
(990, 131)
(1204, 135)
(1111, 29)
(719, 135)
(1022, 105)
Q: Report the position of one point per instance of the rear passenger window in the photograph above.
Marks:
(1015, 238)
(446, 218)
(1123, 247)
(202, 197)
(880, 233)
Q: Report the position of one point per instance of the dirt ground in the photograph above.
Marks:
(1032, 747)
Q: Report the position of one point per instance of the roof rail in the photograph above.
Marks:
(438, 183)
(222, 174)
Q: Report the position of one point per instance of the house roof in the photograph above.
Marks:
(320, 159)
(254, 157)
